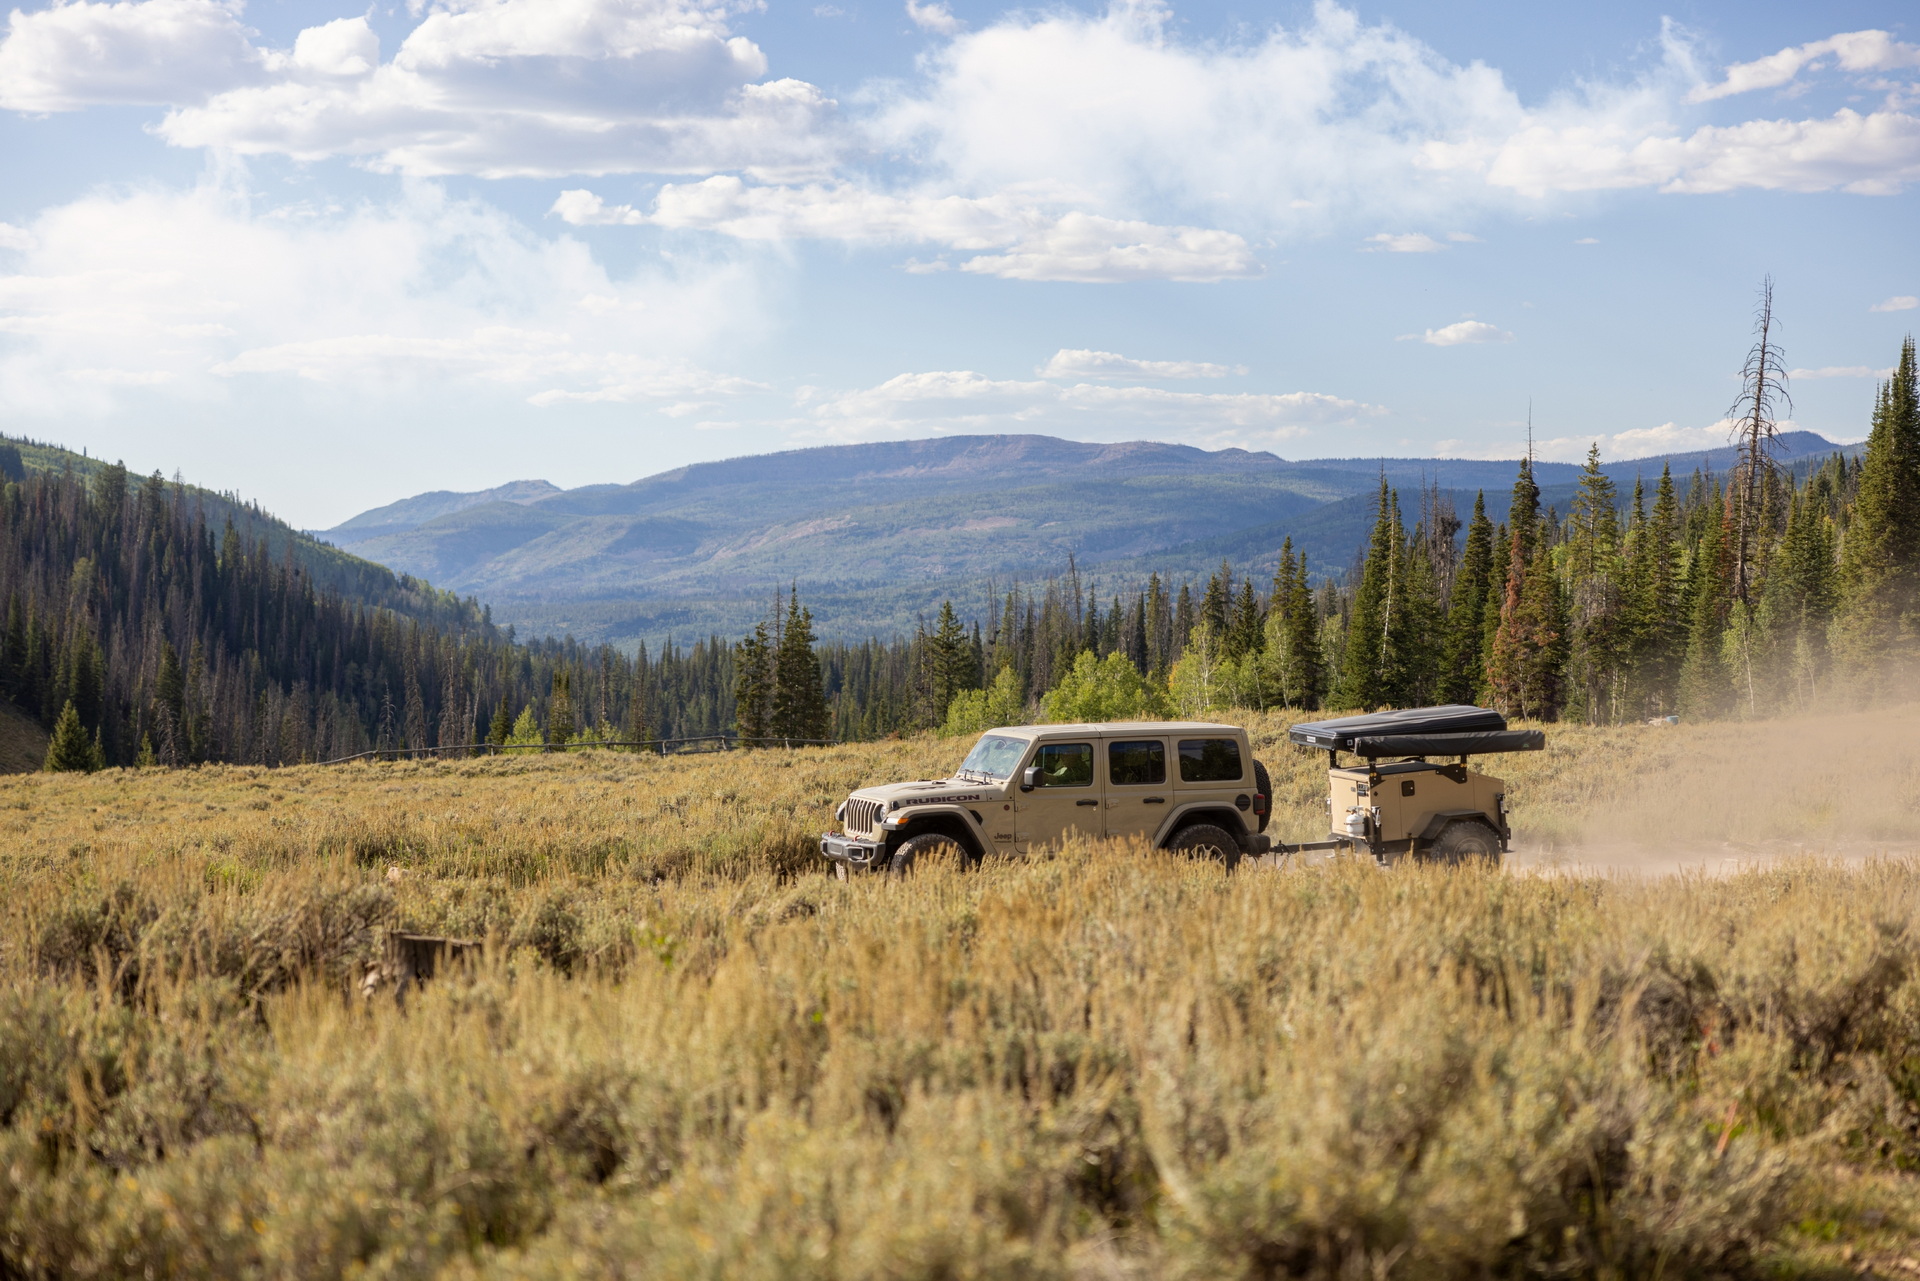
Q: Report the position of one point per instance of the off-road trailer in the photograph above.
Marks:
(1413, 807)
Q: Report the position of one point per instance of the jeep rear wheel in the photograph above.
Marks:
(1465, 841)
(1207, 840)
(928, 847)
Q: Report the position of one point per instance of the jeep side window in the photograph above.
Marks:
(1065, 765)
(1209, 760)
(1142, 764)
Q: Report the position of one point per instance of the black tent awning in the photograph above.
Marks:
(1481, 743)
(1339, 734)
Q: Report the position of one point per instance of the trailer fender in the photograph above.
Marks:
(1438, 823)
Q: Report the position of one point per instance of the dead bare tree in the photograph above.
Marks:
(1755, 411)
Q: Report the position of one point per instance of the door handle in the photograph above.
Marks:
(1154, 800)
(1086, 802)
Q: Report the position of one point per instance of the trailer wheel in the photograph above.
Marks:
(928, 847)
(1465, 841)
(1205, 840)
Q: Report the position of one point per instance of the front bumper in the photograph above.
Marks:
(851, 851)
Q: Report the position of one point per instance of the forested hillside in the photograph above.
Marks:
(170, 625)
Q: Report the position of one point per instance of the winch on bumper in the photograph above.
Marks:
(851, 851)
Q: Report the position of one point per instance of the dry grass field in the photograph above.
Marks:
(688, 1053)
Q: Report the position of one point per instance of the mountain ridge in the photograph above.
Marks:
(877, 534)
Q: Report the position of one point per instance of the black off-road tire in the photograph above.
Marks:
(928, 846)
(1207, 840)
(1465, 841)
(1263, 783)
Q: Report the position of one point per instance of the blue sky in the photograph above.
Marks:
(328, 256)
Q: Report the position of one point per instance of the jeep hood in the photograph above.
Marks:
(925, 791)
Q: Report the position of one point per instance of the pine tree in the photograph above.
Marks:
(1366, 674)
(1661, 619)
(799, 710)
(71, 748)
(1463, 662)
(1880, 554)
(1245, 635)
(753, 685)
(950, 659)
(1703, 676)
(1798, 603)
(1600, 619)
(501, 727)
(561, 725)
(1416, 626)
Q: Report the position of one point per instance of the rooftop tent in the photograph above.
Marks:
(1452, 730)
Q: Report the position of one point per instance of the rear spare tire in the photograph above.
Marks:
(1263, 784)
(1207, 840)
(928, 847)
(1465, 841)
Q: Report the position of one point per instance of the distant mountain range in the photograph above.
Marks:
(877, 535)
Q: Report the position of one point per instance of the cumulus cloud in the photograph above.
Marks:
(1899, 302)
(154, 52)
(184, 294)
(1112, 367)
(489, 87)
(934, 16)
(1459, 333)
(1030, 242)
(1851, 51)
(1407, 243)
(961, 400)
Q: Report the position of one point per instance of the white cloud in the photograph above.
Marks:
(1032, 243)
(490, 87)
(961, 400)
(153, 52)
(1899, 302)
(1408, 243)
(1587, 240)
(183, 295)
(934, 16)
(1080, 363)
(15, 238)
(1463, 238)
(1840, 371)
(1852, 51)
(1460, 332)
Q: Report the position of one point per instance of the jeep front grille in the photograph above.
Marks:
(861, 817)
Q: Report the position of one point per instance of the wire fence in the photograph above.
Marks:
(659, 746)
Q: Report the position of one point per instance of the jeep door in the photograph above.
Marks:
(1065, 796)
(1214, 768)
(1139, 792)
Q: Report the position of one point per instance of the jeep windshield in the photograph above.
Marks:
(993, 758)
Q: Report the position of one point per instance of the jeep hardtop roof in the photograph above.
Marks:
(1117, 729)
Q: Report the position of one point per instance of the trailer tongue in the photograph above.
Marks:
(1414, 807)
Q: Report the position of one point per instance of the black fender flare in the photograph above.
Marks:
(948, 821)
(1217, 813)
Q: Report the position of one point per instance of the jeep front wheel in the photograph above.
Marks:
(928, 847)
(1207, 840)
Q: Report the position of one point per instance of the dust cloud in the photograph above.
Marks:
(1718, 797)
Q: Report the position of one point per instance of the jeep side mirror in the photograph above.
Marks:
(1030, 779)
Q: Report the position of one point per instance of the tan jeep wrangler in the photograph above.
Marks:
(1183, 785)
